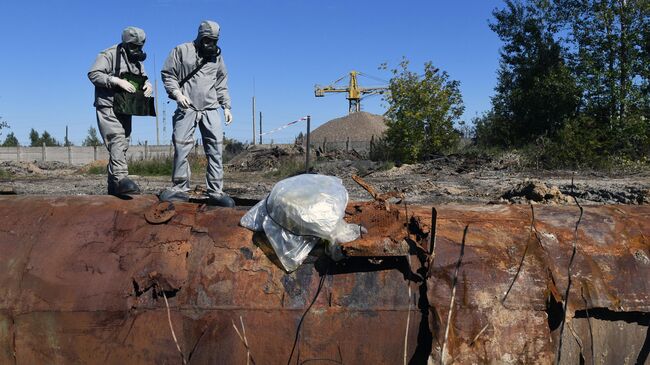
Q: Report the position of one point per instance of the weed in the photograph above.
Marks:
(162, 166)
(287, 168)
(4, 174)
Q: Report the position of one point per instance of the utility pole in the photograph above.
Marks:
(253, 142)
(67, 141)
(307, 146)
(260, 127)
(164, 120)
(155, 88)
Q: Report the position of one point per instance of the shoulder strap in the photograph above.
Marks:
(191, 74)
(118, 60)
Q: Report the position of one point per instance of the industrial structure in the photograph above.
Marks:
(354, 91)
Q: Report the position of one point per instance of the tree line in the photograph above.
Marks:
(572, 89)
(37, 139)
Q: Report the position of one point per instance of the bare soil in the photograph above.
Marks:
(450, 179)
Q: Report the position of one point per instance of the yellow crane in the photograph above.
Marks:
(355, 92)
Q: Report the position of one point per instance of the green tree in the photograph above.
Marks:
(91, 139)
(3, 124)
(10, 141)
(535, 91)
(34, 138)
(49, 140)
(608, 39)
(37, 140)
(421, 113)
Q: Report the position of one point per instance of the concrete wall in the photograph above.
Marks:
(78, 155)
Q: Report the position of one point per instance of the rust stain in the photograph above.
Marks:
(83, 279)
(160, 213)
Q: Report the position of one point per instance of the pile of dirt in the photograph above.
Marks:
(359, 126)
(535, 192)
(538, 192)
(264, 157)
(33, 168)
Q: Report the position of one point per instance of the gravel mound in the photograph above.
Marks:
(359, 126)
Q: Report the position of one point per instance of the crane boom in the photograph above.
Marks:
(354, 91)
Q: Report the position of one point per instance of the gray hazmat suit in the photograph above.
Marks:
(207, 90)
(115, 129)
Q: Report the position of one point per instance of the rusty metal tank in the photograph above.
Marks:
(99, 280)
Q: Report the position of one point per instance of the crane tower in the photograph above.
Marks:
(354, 91)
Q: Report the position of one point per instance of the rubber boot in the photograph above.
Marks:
(220, 200)
(125, 186)
(173, 196)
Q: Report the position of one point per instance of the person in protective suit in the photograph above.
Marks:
(195, 76)
(107, 74)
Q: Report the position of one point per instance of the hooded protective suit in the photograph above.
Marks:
(207, 90)
(115, 129)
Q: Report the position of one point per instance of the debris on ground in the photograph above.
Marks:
(456, 178)
(265, 157)
(535, 192)
(338, 155)
(36, 167)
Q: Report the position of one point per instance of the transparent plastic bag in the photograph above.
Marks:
(298, 213)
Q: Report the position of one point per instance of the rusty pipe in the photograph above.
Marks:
(83, 280)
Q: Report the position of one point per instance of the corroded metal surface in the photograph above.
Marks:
(83, 279)
(161, 212)
(506, 250)
(387, 234)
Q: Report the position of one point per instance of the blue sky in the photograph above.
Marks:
(276, 49)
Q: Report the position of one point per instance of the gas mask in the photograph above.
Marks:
(134, 52)
(207, 48)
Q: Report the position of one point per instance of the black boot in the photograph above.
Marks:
(123, 187)
(173, 196)
(221, 200)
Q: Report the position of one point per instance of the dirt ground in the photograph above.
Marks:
(443, 180)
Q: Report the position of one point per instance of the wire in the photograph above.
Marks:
(295, 341)
(373, 77)
(338, 80)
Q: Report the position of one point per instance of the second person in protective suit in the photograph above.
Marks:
(195, 76)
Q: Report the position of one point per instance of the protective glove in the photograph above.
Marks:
(228, 114)
(183, 101)
(116, 81)
(148, 89)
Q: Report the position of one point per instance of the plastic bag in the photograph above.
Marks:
(298, 213)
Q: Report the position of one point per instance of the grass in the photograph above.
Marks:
(287, 168)
(4, 174)
(385, 166)
(154, 167)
